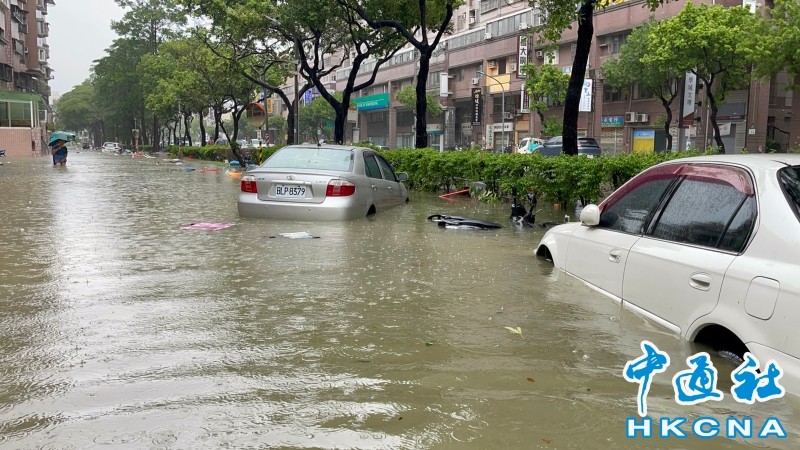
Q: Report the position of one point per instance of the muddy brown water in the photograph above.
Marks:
(120, 330)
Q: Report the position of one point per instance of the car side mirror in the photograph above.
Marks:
(402, 176)
(590, 215)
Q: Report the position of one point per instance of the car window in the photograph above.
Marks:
(740, 227)
(789, 178)
(701, 211)
(371, 166)
(319, 158)
(630, 213)
(386, 168)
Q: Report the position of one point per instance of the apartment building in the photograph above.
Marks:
(475, 73)
(24, 76)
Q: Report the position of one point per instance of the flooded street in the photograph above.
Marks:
(120, 330)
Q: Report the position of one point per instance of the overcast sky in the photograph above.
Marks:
(80, 31)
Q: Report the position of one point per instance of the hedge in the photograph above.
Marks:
(560, 179)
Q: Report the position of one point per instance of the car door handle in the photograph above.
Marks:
(700, 281)
(615, 255)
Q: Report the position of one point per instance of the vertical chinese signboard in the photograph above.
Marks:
(477, 106)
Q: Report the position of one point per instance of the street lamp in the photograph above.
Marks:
(503, 107)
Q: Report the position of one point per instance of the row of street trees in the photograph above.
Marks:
(175, 59)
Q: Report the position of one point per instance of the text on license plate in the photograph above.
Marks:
(290, 191)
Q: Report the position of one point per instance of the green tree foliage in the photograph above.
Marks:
(543, 83)
(422, 24)
(560, 16)
(779, 47)
(316, 120)
(629, 68)
(408, 98)
(716, 43)
(78, 110)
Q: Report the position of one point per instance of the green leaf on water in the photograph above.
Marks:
(429, 343)
(515, 330)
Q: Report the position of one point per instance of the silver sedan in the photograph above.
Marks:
(321, 182)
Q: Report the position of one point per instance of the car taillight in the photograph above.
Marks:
(340, 188)
(249, 184)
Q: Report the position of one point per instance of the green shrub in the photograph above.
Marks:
(560, 179)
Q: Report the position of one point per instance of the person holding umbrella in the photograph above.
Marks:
(58, 146)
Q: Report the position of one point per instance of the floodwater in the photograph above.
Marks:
(120, 330)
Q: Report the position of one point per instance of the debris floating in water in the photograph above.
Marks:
(297, 235)
(207, 226)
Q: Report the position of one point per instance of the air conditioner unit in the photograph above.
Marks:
(507, 115)
(630, 117)
(471, 20)
(523, 26)
(475, 81)
(642, 118)
(539, 54)
(487, 35)
(513, 67)
(491, 63)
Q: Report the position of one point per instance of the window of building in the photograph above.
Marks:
(612, 95)
(642, 92)
(509, 25)
(3, 39)
(15, 114)
(488, 5)
(6, 72)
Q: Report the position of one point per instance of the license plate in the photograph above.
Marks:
(290, 191)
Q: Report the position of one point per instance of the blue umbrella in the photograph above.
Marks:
(61, 135)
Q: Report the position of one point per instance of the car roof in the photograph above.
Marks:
(759, 160)
(329, 146)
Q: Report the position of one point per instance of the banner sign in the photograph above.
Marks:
(689, 87)
(477, 106)
(586, 96)
(370, 102)
(612, 121)
(522, 54)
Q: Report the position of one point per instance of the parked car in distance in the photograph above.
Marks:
(706, 246)
(586, 147)
(111, 147)
(254, 143)
(529, 144)
(321, 182)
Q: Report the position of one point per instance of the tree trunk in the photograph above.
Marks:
(341, 120)
(541, 123)
(290, 118)
(572, 101)
(156, 138)
(203, 139)
(713, 119)
(422, 98)
(667, 122)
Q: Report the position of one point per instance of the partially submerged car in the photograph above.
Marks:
(708, 247)
(321, 182)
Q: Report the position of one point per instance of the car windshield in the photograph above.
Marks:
(790, 182)
(319, 158)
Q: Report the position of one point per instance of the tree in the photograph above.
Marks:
(779, 48)
(316, 119)
(544, 83)
(414, 21)
(149, 23)
(408, 98)
(628, 69)
(560, 16)
(78, 110)
(320, 29)
(715, 43)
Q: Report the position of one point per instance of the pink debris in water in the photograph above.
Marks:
(207, 226)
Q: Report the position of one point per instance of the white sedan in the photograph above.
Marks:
(708, 247)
